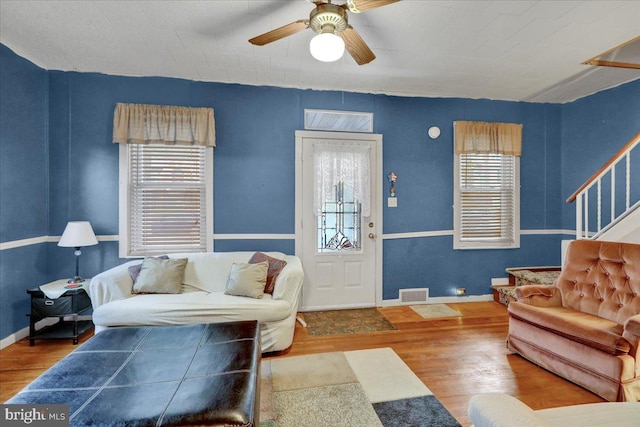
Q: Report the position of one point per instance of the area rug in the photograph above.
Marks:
(338, 322)
(364, 388)
(432, 311)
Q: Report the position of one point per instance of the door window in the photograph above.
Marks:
(339, 222)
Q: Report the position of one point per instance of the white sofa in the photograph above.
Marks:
(202, 299)
(502, 410)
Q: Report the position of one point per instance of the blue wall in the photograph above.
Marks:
(24, 210)
(425, 193)
(254, 172)
(255, 168)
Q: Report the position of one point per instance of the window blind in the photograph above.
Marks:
(167, 199)
(487, 184)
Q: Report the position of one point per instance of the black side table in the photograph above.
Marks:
(69, 305)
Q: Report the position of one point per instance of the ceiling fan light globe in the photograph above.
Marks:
(327, 47)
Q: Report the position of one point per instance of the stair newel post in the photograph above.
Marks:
(599, 205)
(628, 180)
(586, 214)
(579, 217)
(613, 193)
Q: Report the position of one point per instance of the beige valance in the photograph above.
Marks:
(163, 124)
(485, 137)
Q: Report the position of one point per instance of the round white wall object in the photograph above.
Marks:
(434, 132)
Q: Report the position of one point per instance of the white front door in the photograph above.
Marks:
(338, 242)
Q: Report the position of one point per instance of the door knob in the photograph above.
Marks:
(372, 236)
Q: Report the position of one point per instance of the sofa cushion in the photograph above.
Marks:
(209, 271)
(160, 276)
(500, 410)
(134, 270)
(247, 280)
(584, 328)
(189, 308)
(275, 267)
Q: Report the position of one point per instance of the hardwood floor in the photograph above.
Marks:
(455, 358)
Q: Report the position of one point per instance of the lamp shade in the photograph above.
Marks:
(78, 234)
(327, 47)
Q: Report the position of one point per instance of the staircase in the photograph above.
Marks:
(608, 203)
(626, 229)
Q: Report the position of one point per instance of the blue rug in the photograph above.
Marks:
(426, 411)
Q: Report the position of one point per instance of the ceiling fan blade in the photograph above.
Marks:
(356, 46)
(280, 33)
(358, 6)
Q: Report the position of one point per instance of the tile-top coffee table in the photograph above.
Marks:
(205, 374)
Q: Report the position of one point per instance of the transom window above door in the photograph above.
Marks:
(343, 121)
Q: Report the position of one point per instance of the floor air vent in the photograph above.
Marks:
(414, 296)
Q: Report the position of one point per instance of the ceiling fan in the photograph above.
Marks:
(331, 22)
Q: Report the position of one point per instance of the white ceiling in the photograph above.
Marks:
(509, 50)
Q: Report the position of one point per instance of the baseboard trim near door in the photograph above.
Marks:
(396, 302)
(443, 300)
(336, 307)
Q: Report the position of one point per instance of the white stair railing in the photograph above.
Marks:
(621, 160)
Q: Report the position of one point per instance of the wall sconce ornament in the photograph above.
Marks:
(434, 132)
(392, 177)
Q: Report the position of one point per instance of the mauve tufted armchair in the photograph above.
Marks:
(586, 326)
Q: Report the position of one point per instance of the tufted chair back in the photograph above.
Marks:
(602, 279)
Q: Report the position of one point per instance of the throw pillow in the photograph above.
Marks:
(160, 276)
(275, 267)
(134, 270)
(247, 280)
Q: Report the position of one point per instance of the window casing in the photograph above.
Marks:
(166, 199)
(486, 201)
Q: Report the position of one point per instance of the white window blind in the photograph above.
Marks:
(167, 198)
(487, 201)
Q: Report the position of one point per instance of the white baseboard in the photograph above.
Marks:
(335, 307)
(15, 337)
(391, 302)
(467, 298)
(498, 281)
(443, 300)
(24, 332)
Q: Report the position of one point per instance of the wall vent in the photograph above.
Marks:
(414, 296)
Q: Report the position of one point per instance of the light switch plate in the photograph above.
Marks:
(392, 202)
